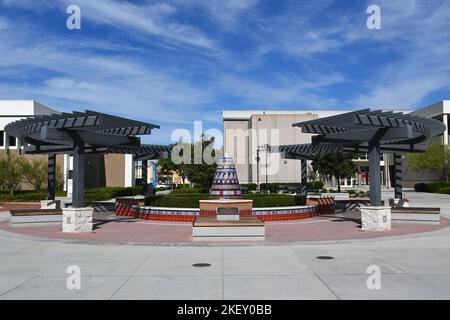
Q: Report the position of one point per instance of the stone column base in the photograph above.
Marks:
(77, 219)
(375, 218)
(50, 204)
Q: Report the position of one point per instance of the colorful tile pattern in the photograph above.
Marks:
(189, 215)
(225, 184)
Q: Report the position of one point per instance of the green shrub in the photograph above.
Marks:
(174, 201)
(421, 187)
(435, 186)
(250, 186)
(276, 185)
(317, 185)
(192, 201)
(261, 200)
(444, 190)
(430, 187)
(184, 191)
(23, 196)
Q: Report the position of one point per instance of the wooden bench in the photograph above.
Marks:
(416, 215)
(35, 217)
(246, 228)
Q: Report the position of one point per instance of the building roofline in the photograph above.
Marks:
(247, 114)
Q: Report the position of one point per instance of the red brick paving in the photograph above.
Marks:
(129, 230)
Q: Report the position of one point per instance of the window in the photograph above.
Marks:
(2, 138)
(12, 141)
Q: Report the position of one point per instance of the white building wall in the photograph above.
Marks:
(129, 171)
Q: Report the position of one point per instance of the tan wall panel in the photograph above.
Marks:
(115, 170)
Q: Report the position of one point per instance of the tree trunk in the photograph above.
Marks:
(339, 184)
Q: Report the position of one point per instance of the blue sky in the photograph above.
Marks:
(173, 62)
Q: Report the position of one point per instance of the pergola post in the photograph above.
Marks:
(304, 174)
(398, 176)
(51, 203)
(374, 172)
(144, 169)
(51, 176)
(78, 176)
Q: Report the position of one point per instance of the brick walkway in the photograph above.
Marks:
(127, 230)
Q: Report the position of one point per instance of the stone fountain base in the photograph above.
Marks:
(223, 221)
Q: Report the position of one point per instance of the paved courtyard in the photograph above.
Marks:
(412, 266)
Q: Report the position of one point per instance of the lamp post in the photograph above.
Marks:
(257, 168)
(267, 148)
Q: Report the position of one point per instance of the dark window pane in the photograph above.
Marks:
(2, 139)
(12, 141)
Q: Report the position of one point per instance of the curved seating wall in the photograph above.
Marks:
(133, 209)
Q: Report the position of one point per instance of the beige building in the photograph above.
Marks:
(246, 132)
(112, 170)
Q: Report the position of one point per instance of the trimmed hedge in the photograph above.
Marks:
(192, 201)
(106, 193)
(444, 190)
(188, 191)
(433, 187)
(249, 186)
(276, 186)
(90, 195)
(175, 202)
(317, 185)
(260, 201)
(26, 195)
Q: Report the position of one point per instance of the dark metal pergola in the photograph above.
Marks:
(366, 131)
(81, 133)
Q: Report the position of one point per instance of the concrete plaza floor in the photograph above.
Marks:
(414, 266)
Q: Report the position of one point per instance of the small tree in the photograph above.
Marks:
(339, 165)
(202, 173)
(10, 173)
(34, 172)
(436, 157)
(59, 178)
(167, 167)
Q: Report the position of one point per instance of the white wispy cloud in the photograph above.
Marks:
(418, 31)
(150, 19)
(176, 71)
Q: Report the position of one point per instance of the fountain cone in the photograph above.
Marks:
(226, 216)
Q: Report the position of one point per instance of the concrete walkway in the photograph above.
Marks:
(412, 267)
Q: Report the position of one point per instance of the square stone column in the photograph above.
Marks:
(77, 219)
(50, 204)
(375, 218)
